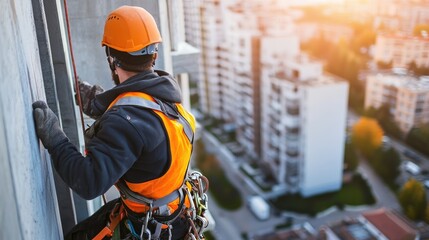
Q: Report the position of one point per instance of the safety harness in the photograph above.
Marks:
(193, 189)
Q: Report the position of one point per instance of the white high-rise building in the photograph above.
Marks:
(247, 24)
(255, 77)
(205, 29)
(303, 121)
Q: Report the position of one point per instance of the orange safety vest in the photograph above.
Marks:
(180, 134)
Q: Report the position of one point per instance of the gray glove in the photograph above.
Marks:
(47, 126)
(87, 94)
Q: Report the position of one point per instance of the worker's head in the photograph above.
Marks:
(131, 38)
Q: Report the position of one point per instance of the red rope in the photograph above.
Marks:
(73, 65)
(79, 100)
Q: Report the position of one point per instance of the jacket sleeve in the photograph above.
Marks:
(113, 150)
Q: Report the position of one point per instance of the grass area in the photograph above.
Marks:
(223, 192)
(355, 193)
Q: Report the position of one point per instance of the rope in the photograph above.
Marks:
(76, 82)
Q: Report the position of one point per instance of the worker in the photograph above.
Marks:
(141, 141)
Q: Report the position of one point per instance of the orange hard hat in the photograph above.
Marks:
(131, 29)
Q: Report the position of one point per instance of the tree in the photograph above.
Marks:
(426, 217)
(386, 163)
(350, 158)
(418, 138)
(384, 65)
(363, 40)
(412, 198)
(419, 29)
(385, 118)
(418, 70)
(367, 135)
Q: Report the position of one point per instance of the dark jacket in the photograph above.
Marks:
(129, 141)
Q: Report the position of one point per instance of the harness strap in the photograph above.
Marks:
(116, 217)
(141, 102)
(127, 193)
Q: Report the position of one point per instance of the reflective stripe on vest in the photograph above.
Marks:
(180, 134)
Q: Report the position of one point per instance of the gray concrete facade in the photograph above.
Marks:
(28, 206)
(36, 65)
(87, 25)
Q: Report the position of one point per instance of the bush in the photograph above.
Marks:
(354, 193)
(412, 198)
(386, 164)
(351, 159)
(418, 138)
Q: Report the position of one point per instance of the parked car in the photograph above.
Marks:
(412, 168)
(259, 207)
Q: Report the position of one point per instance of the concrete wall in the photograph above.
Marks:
(35, 64)
(87, 26)
(28, 206)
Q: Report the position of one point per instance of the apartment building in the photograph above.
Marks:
(247, 61)
(228, 85)
(401, 50)
(192, 20)
(247, 25)
(407, 96)
(402, 15)
(303, 121)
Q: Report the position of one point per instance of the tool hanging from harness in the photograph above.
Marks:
(187, 197)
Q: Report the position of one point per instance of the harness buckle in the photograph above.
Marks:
(145, 233)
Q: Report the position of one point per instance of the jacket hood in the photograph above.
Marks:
(158, 84)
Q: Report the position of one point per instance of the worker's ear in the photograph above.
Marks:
(155, 56)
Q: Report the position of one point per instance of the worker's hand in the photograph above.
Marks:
(47, 125)
(87, 94)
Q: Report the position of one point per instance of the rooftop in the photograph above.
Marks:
(292, 234)
(352, 230)
(403, 80)
(401, 36)
(390, 224)
(323, 79)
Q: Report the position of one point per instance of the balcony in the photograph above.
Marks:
(292, 174)
(295, 130)
(293, 153)
(292, 138)
(291, 102)
(183, 59)
(291, 121)
(292, 97)
(293, 110)
(292, 144)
